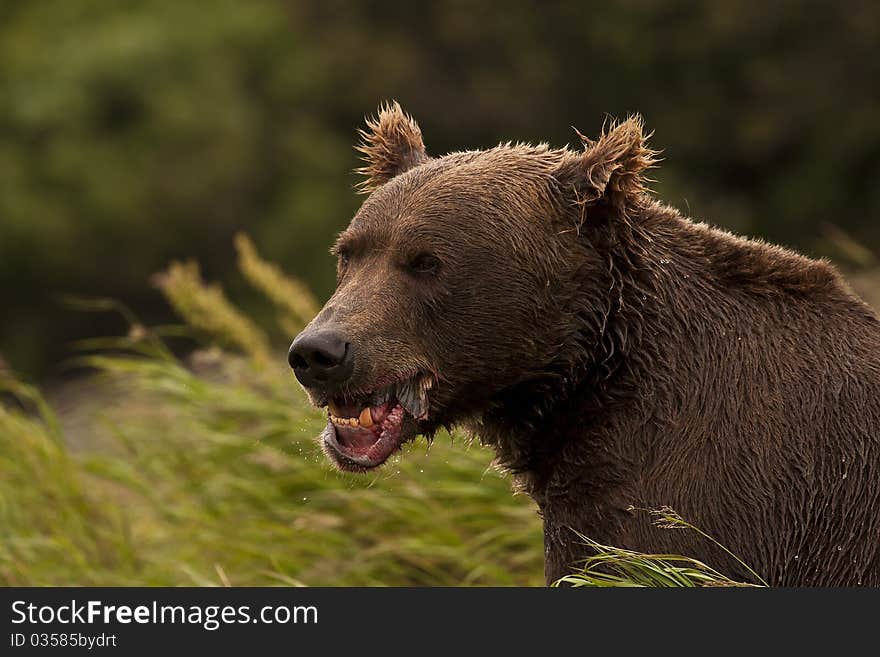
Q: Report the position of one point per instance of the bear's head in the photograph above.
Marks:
(462, 280)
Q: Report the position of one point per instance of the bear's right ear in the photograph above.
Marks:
(392, 143)
(612, 168)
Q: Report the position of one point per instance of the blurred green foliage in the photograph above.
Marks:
(139, 131)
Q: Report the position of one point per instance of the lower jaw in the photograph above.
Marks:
(351, 460)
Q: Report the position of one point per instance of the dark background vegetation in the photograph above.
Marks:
(133, 133)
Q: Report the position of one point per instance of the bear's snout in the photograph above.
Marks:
(322, 359)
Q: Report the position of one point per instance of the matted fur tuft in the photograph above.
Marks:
(392, 143)
(613, 166)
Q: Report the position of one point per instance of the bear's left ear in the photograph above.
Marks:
(611, 168)
(392, 143)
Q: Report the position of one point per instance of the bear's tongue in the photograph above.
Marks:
(356, 438)
(357, 427)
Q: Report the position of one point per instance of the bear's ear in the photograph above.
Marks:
(392, 143)
(611, 168)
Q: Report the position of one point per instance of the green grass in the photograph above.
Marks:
(207, 472)
(611, 566)
(201, 481)
(615, 567)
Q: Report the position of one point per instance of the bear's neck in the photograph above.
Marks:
(586, 439)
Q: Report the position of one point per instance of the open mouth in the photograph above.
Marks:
(364, 430)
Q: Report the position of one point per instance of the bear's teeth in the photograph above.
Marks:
(365, 420)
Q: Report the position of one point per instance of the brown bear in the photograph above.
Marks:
(613, 352)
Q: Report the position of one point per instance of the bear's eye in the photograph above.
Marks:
(423, 264)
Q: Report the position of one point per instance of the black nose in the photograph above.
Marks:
(321, 358)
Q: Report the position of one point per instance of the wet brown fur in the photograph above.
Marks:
(617, 354)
